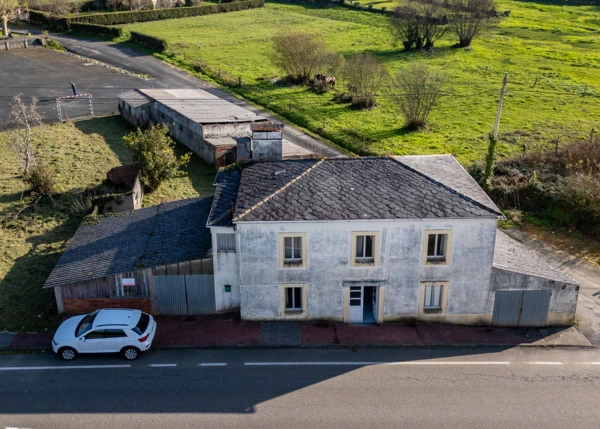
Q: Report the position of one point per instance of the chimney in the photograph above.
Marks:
(267, 140)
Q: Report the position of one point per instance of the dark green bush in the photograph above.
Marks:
(150, 41)
(96, 29)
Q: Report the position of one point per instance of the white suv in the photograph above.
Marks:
(105, 331)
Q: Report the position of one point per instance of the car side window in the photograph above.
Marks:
(114, 333)
(95, 335)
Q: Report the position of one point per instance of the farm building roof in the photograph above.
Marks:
(347, 189)
(159, 235)
(201, 106)
(135, 98)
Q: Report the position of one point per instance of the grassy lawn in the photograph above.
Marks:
(81, 154)
(557, 48)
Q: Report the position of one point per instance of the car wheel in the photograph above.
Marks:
(130, 353)
(67, 353)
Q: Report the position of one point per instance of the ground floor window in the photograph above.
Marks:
(293, 298)
(433, 297)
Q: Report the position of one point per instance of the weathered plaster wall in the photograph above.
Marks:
(227, 130)
(563, 300)
(226, 272)
(400, 271)
(267, 145)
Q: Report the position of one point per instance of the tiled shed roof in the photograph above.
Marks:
(346, 189)
(510, 255)
(159, 235)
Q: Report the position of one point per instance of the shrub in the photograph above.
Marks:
(364, 76)
(41, 180)
(150, 41)
(153, 152)
(419, 23)
(97, 29)
(416, 90)
(300, 55)
(469, 17)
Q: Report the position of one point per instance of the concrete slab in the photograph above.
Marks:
(561, 337)
(46, 75)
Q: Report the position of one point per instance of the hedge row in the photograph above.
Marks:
(116, 18)
(96, 29)
(150, 41)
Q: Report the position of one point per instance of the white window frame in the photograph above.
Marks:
(365, 261)
(290, 263)
(288, 312)
(427, 304)
(229, 240)
(365, 258)
(296, 306)
(446, 258)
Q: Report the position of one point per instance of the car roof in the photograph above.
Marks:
(116, 317)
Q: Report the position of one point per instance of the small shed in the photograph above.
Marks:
(142, 259)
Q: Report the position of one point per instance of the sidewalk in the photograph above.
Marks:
(226, 330)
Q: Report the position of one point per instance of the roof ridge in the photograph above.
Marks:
(454, 191)
(283, 188)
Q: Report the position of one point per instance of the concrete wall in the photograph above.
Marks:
(400, 270)
(267, 145)
(17, 43)
(227, 130)
(226, 272)
(563, 300)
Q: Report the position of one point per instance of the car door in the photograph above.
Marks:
(114, 340)
(94, 342)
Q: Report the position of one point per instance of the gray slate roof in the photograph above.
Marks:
(447, 170)
(510, 255)
(159, 235)
(345, 189)
(227, 183)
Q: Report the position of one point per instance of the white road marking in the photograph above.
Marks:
(370, 363)
(545, 363)
(213, 364)
(26, 368)
(162, 365)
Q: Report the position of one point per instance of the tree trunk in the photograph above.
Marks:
(5, 25)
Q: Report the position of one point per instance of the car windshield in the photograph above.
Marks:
(85, 324)
(142, 325)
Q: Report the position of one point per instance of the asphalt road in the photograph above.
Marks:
(166, 76)
(471, 388)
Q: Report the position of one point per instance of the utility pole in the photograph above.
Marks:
(499, 111)
(489, 159)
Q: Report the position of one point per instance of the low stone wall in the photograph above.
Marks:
(88, 305)
(17, 43)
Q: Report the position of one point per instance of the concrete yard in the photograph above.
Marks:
(45, 74)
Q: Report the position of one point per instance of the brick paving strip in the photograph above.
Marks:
(227, 330)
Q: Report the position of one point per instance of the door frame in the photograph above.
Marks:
(377, 309)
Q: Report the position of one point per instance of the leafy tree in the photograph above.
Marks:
(154, 154)
(7, 9)
(416, 90)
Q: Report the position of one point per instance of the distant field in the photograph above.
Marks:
(81, 154)
(555, 48)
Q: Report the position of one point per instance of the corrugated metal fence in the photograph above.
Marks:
(186, 295)
(526, 308)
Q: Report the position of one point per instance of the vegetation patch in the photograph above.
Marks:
(553, 88)
(80, 154)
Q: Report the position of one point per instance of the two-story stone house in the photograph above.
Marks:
(365, 240)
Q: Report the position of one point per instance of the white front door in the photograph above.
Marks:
(356, 304)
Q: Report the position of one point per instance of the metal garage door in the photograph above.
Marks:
(527, 308)
(185, 295)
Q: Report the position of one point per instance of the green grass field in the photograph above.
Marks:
(550, 53)
(81, 154)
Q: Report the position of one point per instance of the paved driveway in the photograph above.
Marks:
(46, 74)
(588, 277)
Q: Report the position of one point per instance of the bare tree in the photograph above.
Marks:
(300, 55)
(7, 9)
(469, 17)
(419, 23)
(364, 76)
(22, 118)
(416, 90)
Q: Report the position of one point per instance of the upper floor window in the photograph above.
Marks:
(437, 247)
(226, 242)
(365, 247)
(292, 250)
